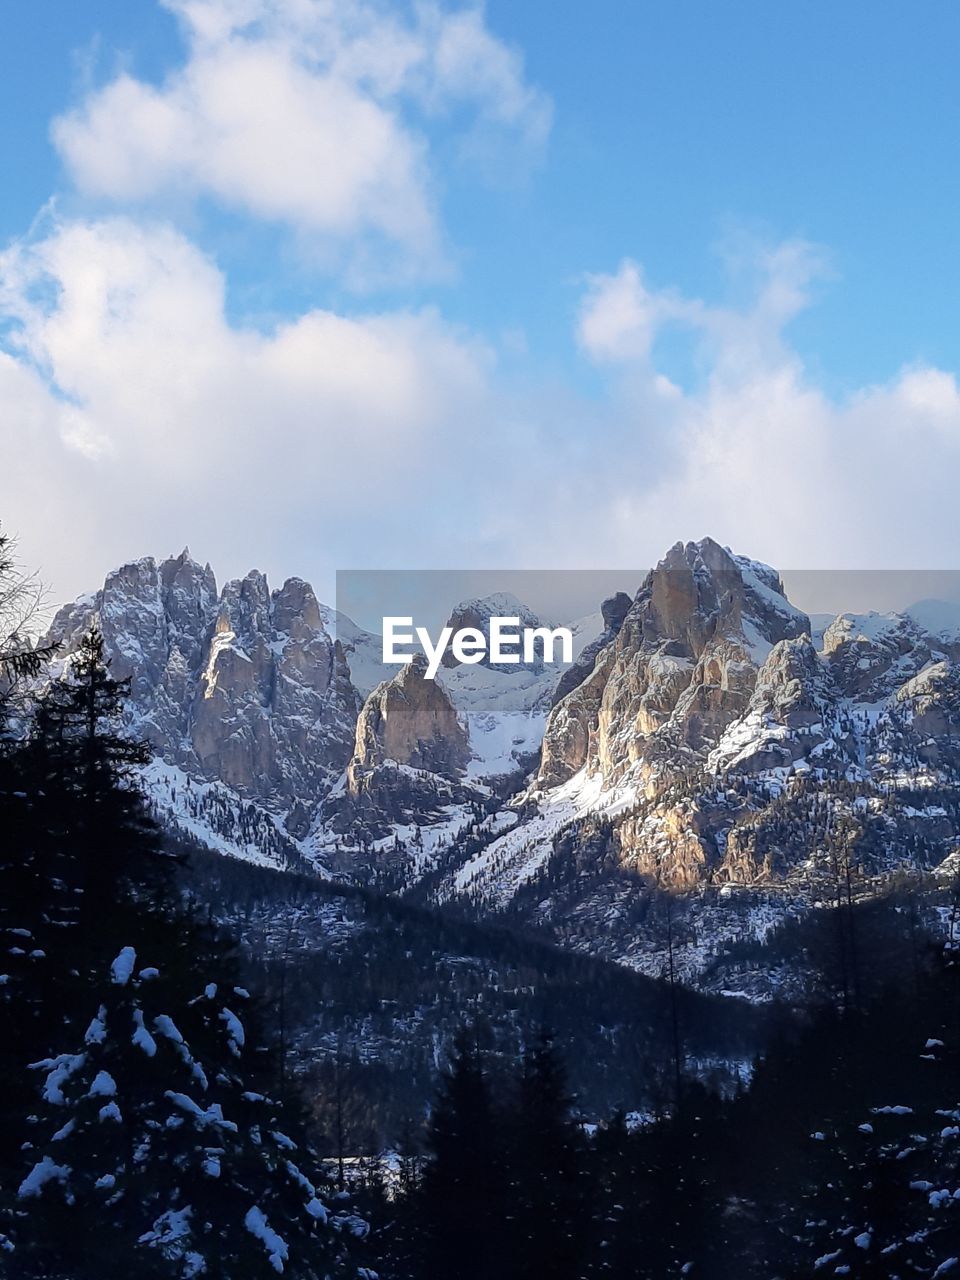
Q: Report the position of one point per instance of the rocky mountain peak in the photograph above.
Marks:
(680, 668)
(409, 757)
(614, 609)
(872, 654)
(243, 687)
(701, 592)
(477, 613)
(412, 721)
(295, 607)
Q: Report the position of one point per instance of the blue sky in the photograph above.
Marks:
(650, 166)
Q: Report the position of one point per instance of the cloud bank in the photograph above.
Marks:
(140, 413)
(137, 416)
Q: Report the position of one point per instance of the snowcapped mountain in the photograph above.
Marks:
(708, 739)
(265, 708)
(244, 689)
(712, 749)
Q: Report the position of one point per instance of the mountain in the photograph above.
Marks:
(278, 729)
(709, 741)
(713, 751)
(244, 691)
(410, 755)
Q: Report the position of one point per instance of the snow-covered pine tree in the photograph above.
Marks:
(158, 1152)
(151, 1145)
(78, 846)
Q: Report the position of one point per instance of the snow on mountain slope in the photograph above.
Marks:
(713, 748)
(700, 743)
(217, 817)
(504, 711)
(510, 861)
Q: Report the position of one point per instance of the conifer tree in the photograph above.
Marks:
(87, 767)
(139, 1135)
(462, 1197)
(548, 1187)
(156, 1153)
(78, 843)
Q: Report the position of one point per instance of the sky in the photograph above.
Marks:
(323, 284)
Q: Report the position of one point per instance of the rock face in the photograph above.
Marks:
(409, 757)
(682, 666)
(710, 666)
(711, 745)
(929, 706)
(613, 611)
(870, 654)
(245, 687)
(155, 619)
(790, 715)
(412, 721)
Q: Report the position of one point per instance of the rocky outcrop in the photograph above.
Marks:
(668, 848)
(870, 655)
(156, 619)
(680, 669)
(410, 753)
(612, 611)
(571, 732)
(411, 721)
(245, 687)
(927, 707)
(792, 715)
(731, 751)
(275, 709)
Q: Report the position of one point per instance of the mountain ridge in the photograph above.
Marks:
(701, 730)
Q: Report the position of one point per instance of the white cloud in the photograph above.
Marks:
(132, 399)
(308, 113)
(138, 417)
(759, 456)
(620, 316)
